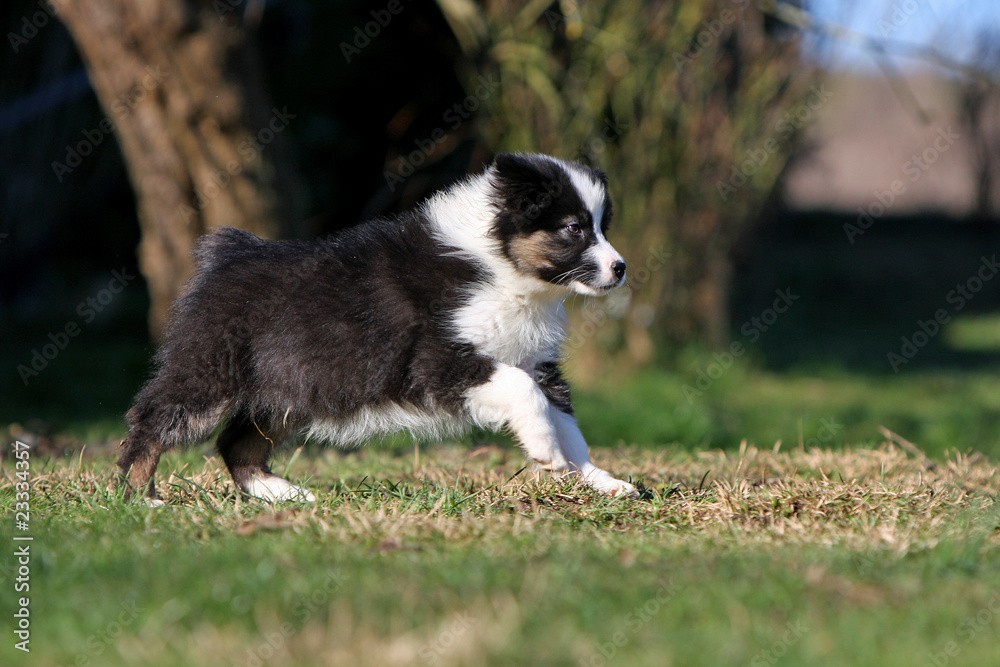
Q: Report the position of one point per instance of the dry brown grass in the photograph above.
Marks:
(861, 498)
(840, 525)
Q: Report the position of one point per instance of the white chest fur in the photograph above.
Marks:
(516, 330)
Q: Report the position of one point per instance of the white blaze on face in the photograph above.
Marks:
(602, 253)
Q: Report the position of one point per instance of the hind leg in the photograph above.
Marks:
(157, 422)
(245, 446)
(137, 465)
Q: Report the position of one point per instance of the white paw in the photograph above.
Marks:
(602, 481)
(276, 490)
(153, 502)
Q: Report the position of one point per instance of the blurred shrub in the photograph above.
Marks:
(690, 106)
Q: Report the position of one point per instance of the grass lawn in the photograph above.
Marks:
(836, 548)
(799, 556)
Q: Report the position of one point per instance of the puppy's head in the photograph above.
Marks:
(552, 220)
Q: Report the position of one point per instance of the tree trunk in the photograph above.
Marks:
(182, 87)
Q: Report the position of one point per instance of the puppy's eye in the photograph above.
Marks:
(574, 229)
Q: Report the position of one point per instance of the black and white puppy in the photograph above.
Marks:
(449, 316)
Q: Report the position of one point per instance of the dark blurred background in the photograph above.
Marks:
(826, 199)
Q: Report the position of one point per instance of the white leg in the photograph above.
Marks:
(512, 398)
(574, 448)
(275, 489)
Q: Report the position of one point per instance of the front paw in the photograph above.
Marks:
(602, 481)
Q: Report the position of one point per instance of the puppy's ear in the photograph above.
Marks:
(517, 169)
(527, 183)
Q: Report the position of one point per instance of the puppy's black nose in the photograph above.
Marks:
(618, 268)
